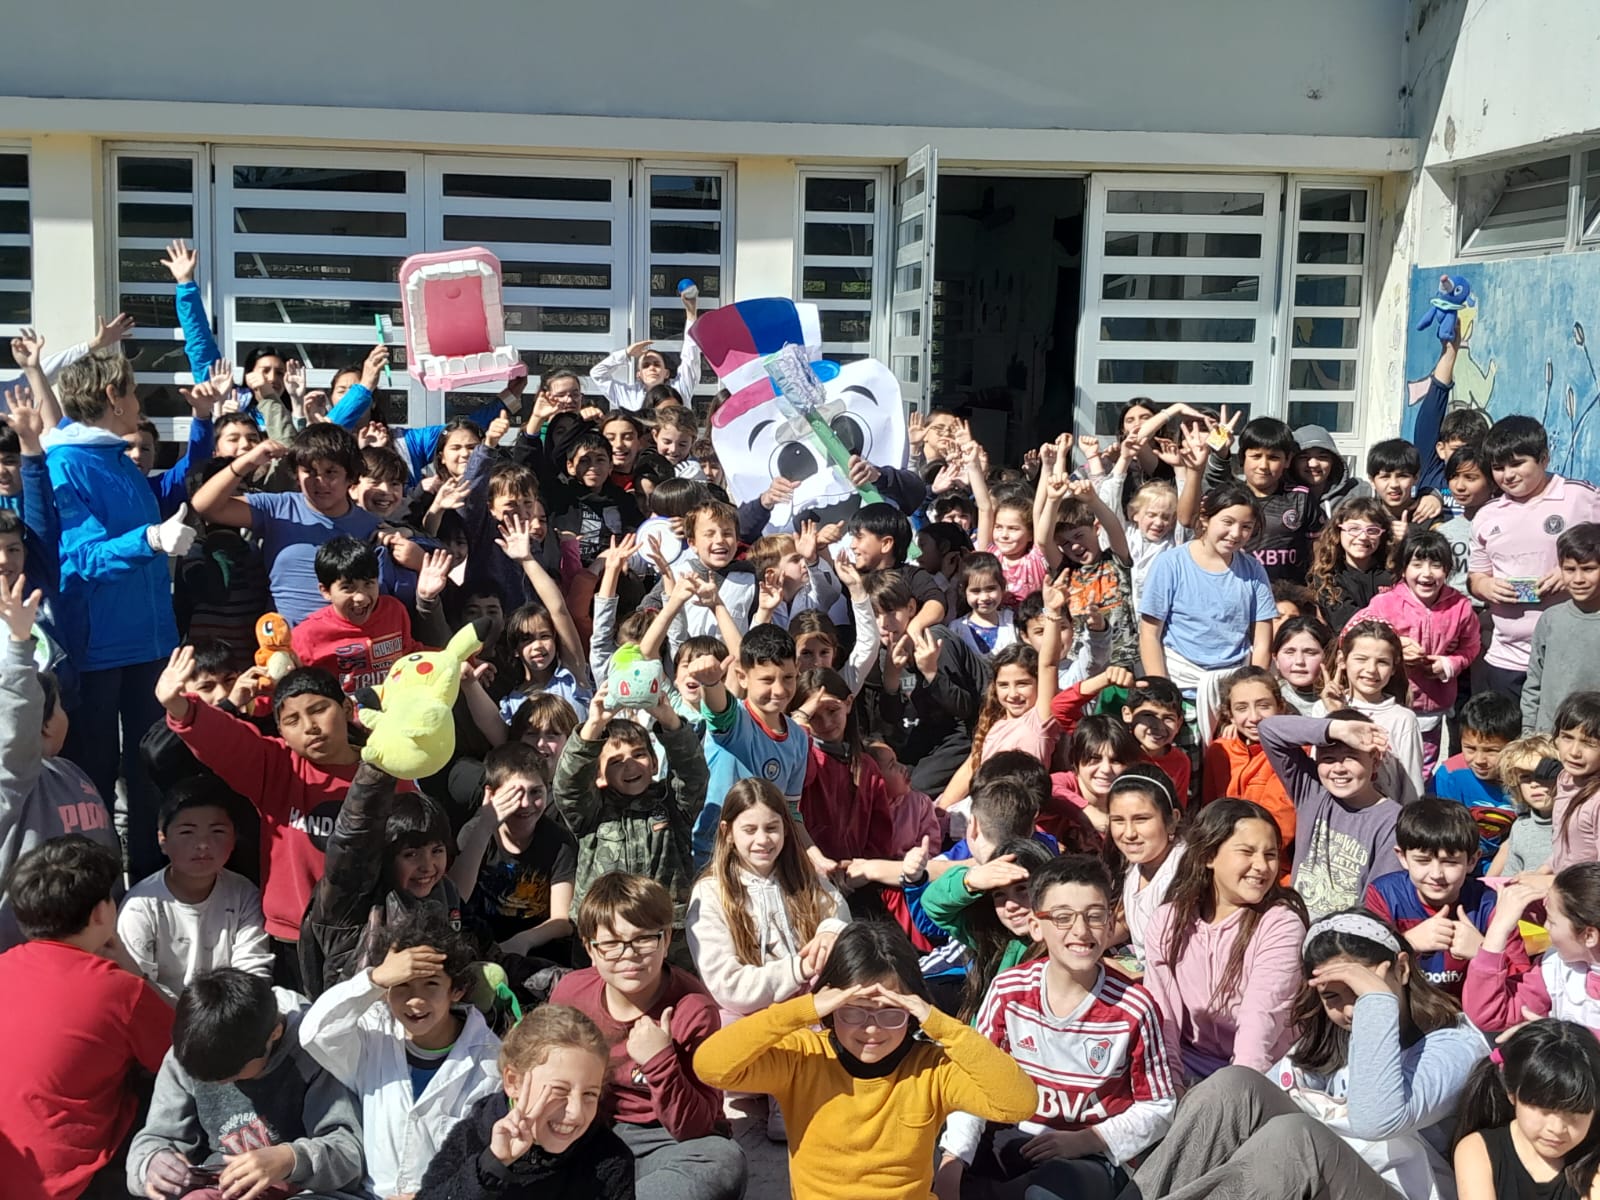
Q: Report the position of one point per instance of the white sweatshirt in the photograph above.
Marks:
(173, 942)
(352, 1033)
(741, 988)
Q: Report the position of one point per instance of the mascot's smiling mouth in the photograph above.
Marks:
(827, 511)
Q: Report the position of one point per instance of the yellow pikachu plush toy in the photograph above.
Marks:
(414, 735)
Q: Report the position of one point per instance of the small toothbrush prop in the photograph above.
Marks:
(385, 327)
(800, 396)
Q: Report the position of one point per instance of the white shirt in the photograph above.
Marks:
(351, 1032)
(172, 942)
(616, 376)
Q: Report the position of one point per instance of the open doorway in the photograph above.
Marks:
(1007, 267)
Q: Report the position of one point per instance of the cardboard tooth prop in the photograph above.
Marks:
(455, 320)
(790, 413)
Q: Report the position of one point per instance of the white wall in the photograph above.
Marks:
(1485, 80)
(1290, 66)
(1488, 80)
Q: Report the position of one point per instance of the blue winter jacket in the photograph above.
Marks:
(107, 566)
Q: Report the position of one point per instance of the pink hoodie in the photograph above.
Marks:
(1449, 628)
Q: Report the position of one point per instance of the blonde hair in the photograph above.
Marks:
(83, 384)
(548, 1028)
(1520, 756)
(769, 551)
(1148, 491)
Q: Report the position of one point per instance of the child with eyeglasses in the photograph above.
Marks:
(654, 1017)
(864, 1096)
(1350, 559)
(1091, 1040)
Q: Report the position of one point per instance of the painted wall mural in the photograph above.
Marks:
(1527, 346)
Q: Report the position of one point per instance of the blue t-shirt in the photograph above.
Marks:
(1207, 614)
(290, 531)
(780, 757)
(1486, 800)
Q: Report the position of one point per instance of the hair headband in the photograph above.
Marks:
(1355, 924)
(1156, 779)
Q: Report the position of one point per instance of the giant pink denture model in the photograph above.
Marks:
(455, 321)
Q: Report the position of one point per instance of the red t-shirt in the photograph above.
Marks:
(77, 1025)
(360, 655)
(298, 801)
(665, 1089)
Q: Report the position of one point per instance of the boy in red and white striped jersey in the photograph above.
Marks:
(1089, 1037)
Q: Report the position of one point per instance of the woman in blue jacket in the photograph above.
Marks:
(114, 550)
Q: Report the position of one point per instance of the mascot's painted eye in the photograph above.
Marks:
(794, 461)
(854, 433)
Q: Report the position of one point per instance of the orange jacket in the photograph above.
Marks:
(1240, 769)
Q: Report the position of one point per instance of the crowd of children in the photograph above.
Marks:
(1175, 818)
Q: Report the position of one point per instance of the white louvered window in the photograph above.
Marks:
(1325, 268)
(840, 260)
(686, 233)
(16, 250)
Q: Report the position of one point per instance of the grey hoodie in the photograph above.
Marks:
(292, 1102)
(40, 798)
(1341, 485)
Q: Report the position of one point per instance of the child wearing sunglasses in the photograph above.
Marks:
(864, 1097)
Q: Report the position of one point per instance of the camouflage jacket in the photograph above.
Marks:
(647, 834)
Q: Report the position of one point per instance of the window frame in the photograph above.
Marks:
(1573, 237)
(171, 428)
(1293, 226)
(23, 286)
(880, 218)
(618, 298)
(1261, 396)
(644, 170)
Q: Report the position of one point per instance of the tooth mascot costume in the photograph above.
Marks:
(792, 414)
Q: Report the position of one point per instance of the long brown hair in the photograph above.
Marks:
(1018, 654)
(803, 898)
(1192, 895)
(1322, 1046)
(1327, 555)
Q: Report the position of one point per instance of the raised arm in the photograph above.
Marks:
(218, 499)
(977, 477)
(515, 542)
(1054, 487)
(21, 703)
(28, 351)
(1055, 615)
(867, 642)
(574, 792)
(198, 342)
(1110, 521)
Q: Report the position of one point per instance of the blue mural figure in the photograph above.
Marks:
(1524, 350)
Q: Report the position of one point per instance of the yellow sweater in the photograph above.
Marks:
(868, 1139)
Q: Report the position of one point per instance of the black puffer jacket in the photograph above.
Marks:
(353, 902)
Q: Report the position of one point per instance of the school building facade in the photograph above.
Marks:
(1039, 208)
